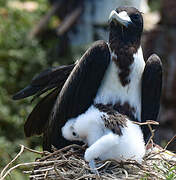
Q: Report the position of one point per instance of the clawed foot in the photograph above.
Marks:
(93, 167)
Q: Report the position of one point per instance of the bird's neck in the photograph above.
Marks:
(119, 41)
(123, 56)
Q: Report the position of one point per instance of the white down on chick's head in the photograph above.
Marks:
(69, 132)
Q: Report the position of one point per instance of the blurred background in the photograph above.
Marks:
(38, 34)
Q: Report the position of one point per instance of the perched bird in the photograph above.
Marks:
(108, 134)
(108, 73)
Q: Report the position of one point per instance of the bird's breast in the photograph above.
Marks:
(126, 98)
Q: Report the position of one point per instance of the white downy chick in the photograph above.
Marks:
(108, 134)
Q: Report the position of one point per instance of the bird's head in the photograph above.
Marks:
(126, 25)
(69, 132)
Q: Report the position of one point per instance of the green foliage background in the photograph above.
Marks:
(20, 60)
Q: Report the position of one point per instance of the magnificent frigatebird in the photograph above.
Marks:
(108, 73)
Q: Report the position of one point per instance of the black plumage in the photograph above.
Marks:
(38, 118)
(151, 91)
(76, 85)
(78, 92)
(46, 80)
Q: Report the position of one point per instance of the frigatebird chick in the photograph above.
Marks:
(108, 134)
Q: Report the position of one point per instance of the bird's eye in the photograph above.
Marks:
(74, 134)
(135, 16)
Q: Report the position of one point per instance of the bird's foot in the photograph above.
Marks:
(93, 168)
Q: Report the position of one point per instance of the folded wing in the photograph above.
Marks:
(151, 91)
(78, 92)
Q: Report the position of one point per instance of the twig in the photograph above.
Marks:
(69, 21)
(170, 142)
(60, 150)
(146, 123)
(61, 165)
(87, 176)
(81, 173)
(45, 20)
(103, 165)
(149, 123)
(40, 170)
(23, 164)
(34, 151)
(154, 154)
(46, 174)
(126, 173)
(152, 135)
(58, 173)
(16, 157)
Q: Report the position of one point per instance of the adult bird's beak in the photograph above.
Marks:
(121, 18)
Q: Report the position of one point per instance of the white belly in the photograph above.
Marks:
(112, 91)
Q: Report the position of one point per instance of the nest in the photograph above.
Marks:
(68, 163)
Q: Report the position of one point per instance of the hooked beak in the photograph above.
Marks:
(121, 18)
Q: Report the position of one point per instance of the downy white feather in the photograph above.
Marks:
(103, 143)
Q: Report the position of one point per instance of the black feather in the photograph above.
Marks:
(151, 91)
(46, 80)
(38, 118)
(78, 92)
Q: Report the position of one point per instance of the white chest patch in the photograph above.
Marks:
(112, 91)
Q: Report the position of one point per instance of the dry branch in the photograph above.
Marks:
(69, 21)
(68, 163)
(45, 20)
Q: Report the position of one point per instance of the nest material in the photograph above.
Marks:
(68, 163)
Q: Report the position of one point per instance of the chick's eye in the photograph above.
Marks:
(74, 134)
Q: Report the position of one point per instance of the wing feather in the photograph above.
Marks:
(151, 91)
(46, 80)
(38, 118)
(78, 92)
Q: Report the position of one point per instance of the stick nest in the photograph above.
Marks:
(68, 163)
